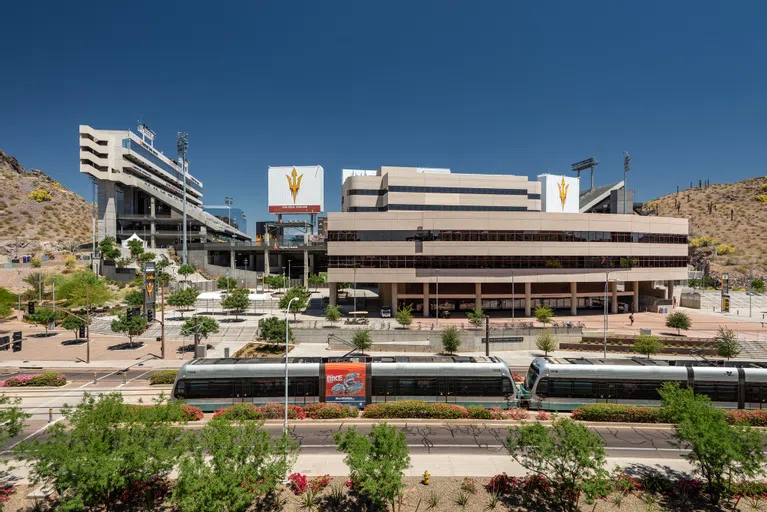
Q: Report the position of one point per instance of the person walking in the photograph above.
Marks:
(631, 318)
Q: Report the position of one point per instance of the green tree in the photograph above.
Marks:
(236, 301)
(546, 342)
(183, 299)
(727, 344)
(109, 249)
(721, 453)
(301, 295)
(147, 256)
(361, 340)
(332, 313)
(376, 462)
(102, 450)
(12, 423)
(272, 329)
(476, 316)
(136, 248)
(44, 317)
(757, 285)
(544, 315)
(73, 290)
(404, 315)
(162, 264)
(204, 325)
(123, 262)
(273, 281)
(134, 298)
(73, 323)
(317, 280)
(229, 467)
(679, 321)
(226, 283)
(185, 271)
(8, 301)
(133, 327)
(451, 339)
(567, 454)
(647, 345)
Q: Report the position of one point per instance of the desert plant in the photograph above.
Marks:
(647, 345)
(40, 195)
(332, 314)
(544, 314)
(451, 339)
(726, 343)
(476, 316)
(361, 340)
(404, 315)
(546, 342)
(163, 377)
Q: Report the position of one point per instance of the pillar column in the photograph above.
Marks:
(478, 295)
(528, 299)
(267, 270)
(426, 300)
(613, 297)
(635, 302)
(280, 263)
(306, 268)
(251, 262)
(670, 288)
(574, 299)
(333, 289)
(152, 225)
(394, 298)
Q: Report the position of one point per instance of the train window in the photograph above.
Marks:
(180, 389)
(718, 391)
(543, 387)
(756, 393)
(197, 389)
(562, 388)
(221, 389)
(583, 389)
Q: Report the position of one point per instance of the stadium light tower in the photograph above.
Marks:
(589, 163)
(182, 145)
(229, 200)
(626, 168)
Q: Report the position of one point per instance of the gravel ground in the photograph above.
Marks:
(445, 490)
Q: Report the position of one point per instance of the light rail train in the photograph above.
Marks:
(215, 383)
(565, 384)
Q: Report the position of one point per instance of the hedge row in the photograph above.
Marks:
(172, 412)
(621, 413)
(443, 411)
(163, 377)
(275, 411)
(31, 380)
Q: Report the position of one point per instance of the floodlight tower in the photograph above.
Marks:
(182, 145)
(626, 168)
(589, 163)
(229, 200)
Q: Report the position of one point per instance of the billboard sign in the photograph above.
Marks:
(559, 193)
(296, 189)
(345, 383)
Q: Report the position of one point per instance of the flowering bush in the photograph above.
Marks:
(543, 416)
(192, 413)
(619, 413)
(239, 412)
(502, 484)
(479, 413)
(324, 411)
(509, 414)
(274, 411)
(173, 411)
(751, 417)
(517, 377)
(319, 483)
(415, 409)
(692, 488)
(32, 380)
(626, 484)
(297, 483)
(5, 493)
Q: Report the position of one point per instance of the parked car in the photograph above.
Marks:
(385, 312)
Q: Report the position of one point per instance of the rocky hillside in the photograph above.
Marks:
(728, 225)
(37, 212)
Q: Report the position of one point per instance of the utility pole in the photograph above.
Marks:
(162, 320)
(18, 271)
(87, 325)
(182, 145)
(487, 336)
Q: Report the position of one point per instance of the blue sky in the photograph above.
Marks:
(494, 87)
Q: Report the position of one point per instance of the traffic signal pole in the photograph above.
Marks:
(162, 320)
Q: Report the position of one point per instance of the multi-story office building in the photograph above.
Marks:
(496, 242)
(140, 190)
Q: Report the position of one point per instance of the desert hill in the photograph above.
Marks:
(37, 212)
(728, 226)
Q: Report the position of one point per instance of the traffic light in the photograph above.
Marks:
(5, 343)
(81, 332)
(725, 303)
(16, 345)
(31, 307)
(149, 314)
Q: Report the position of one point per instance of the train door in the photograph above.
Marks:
(606, 392)
(239, 391)
(447, 390)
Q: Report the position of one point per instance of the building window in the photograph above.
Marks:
(508, 262)
(499, 236)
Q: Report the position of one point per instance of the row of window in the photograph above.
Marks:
(445, 190)
(629, 390)
(243, 388)
(90, 137)
(504, 236)
(507, 262)
(439, 208)
(444, 386)
(88, 149)
(148, 155)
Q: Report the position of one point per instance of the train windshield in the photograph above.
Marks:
(532, 374)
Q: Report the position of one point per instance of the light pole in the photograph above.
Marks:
(355, 288)
(513, 303)
(437, 297)
(18, 271)
(287, 336)
(182, 144)
(228, 200)
(607, 280)
(626, 167)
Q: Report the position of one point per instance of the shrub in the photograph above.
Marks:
(543, 416)
(297, 483)
(469, 485)
(324, 411)
(275, 411)
(501, 484)
(415, 409)
(751, 418)
(176, 411)
(36, 262)
(479, 413)
(725, 249)
(509, 414)
(239, 412)
(619, 413)
(40, 195)
(762, 198)
(29, 380)
(192, 413)
(163, 377)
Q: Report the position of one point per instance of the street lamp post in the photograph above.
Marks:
(287, 336)
(229, 200)
(513, 303)
(607, 280)
(18, 271)
(355, 288)
(182, 144)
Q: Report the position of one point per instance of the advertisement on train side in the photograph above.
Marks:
(345, 383)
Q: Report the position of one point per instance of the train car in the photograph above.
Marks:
(565, 384)
(215, 383)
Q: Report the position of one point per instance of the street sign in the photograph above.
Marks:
(725, 303)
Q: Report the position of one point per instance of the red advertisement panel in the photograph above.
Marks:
(345, 383)
(312, 208)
